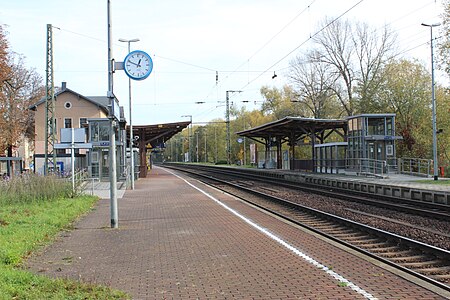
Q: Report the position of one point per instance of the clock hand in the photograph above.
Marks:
(139, 63)
(136, 64)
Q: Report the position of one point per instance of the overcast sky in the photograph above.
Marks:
(245, 41)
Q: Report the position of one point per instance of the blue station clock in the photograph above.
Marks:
(138, 65)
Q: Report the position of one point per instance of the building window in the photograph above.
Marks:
(83, 122)
(99, 131)
(67, 123)
(68, 105)
(376, 126)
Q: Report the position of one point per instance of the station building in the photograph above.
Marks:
(90, 113)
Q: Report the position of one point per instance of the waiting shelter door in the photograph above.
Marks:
(104, 165)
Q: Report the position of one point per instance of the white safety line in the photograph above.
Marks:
(307, 258)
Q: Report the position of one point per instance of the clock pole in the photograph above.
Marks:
(131, 123)
(112, 132)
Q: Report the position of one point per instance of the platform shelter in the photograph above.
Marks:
(151, 137)
(372, 143)
(294, 131)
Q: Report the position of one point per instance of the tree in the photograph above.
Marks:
(280, 103)
(4, 66)
(444, 42)
(20, 89)
(313, 83)
(405, 90)
(356, 54)
(443, 126)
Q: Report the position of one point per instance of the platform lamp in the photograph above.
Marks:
(131, 124)
(433, 103)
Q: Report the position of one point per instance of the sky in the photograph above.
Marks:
(244, 42)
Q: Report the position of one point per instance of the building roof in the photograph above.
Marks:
(100, 101)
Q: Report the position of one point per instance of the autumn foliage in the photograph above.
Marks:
(19, 88)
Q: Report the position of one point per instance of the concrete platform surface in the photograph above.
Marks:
(179, 239)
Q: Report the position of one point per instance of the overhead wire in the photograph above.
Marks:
(304, 42)
(249, 82)
(261, 48)
(274, 36)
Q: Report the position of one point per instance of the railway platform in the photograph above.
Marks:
(178, 239)
(396, 185)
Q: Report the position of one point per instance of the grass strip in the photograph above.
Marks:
(26, 227)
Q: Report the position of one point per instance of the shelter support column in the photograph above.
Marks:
(313, 137)
(267, 152)
(279, 154)
(291, 144)
(142, 154)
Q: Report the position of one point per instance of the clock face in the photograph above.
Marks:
(138, 65)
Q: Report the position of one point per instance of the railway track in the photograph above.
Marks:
(429, 263)
(431, 210)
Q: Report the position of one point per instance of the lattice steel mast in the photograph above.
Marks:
(50, 123)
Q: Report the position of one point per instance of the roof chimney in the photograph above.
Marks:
(63, 85)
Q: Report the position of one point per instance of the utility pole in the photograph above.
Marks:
(196, 148)
(50, 123)
(206, 150)
(227, 120)
(112, 131)
(433, 102)
(189, 138)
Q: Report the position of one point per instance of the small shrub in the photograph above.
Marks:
(221, 162)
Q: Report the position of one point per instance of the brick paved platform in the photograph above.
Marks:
(175, 242)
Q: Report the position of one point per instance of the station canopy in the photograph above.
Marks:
(157, 134)
(295, 128)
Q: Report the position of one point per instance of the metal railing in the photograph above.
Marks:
(367, 166)
(329, 166)
(416, 166)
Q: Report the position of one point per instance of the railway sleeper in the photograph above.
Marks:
(367, 241)
(405, 259)
(330, 225)
(434, 270)
(318, 222)
(386, 249)
(432, 273)
(374, 246)
(398, 254)
(337, 231)
(357, 237)
(441, 277)
(430, 264)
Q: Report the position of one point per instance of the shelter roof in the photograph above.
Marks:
(158, 133)
(288, 126)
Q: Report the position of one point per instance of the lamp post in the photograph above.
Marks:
(131, 123)
(189, 138)
(433, 103)
(227, 120)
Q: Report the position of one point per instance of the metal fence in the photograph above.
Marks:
(367, 166)
(416, 166)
